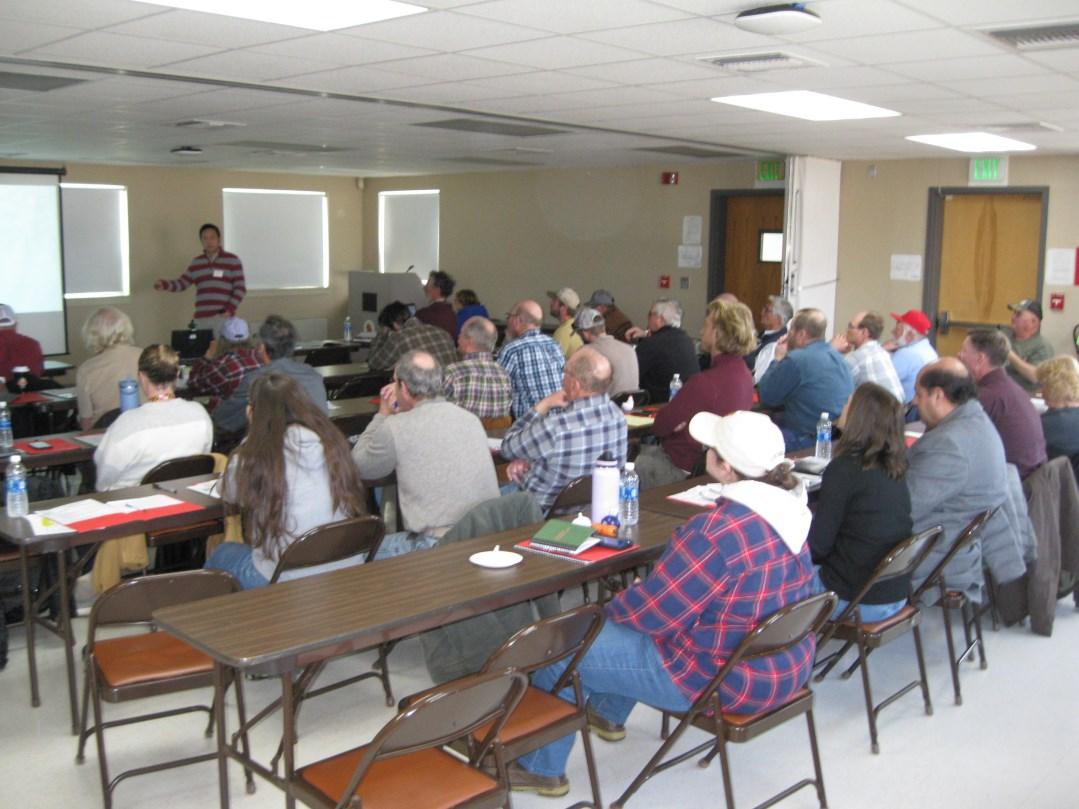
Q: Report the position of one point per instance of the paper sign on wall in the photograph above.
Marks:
(691, 229)
(690, 255)
(906, 267)
(1062, 266)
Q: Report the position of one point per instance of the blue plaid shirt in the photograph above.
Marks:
(564, 443)
(534, 363)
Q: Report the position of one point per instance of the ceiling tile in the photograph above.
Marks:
(451, 67)
(966, 68)
(245, 66)
(19, 36)
(984, 12)
(444, 31)
(698, 36)
(119, 50)
(574, 16)
(83, 14)
(909, 46)
(647, 71)
(213, 30)
(556, 53)
(341, 50)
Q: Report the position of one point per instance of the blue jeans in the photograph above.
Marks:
(870, 613)
(794, 440)
(235, 558)
(402, 542)
(622, 667)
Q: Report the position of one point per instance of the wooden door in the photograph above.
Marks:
(991, 248)
(742, 272)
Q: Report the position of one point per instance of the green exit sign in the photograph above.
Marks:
(989, 170)
(771, 171)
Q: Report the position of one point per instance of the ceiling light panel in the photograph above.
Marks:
(316, 15)
(972, 142)
(807, 105)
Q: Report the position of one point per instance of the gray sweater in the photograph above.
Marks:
(440, 454)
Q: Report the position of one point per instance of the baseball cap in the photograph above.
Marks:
(601, 297)
(587, 319)
(916, 319)
(749, 442)
(1027, 305)
(235, 329)
(567, 296)
(7, 315)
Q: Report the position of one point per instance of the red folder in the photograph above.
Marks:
(597, 553)
(133, 516)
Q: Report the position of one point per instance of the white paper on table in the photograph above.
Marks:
(690, 255)
(142, 503)
(42, 525)
(703, 495)
(494, 444)
(207, 487)
(79, 510)
(93, 439)
(1060, 266)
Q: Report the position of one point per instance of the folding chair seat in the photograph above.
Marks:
(957, 600)
(848, 627)
(781, 630)
(147, 664)
(404, 764)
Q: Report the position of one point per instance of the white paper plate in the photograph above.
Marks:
(495, 558)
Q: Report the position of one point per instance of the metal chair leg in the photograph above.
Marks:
(818, 773)
(923, 680)
(867, 692)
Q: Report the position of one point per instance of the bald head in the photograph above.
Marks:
(420, 373)
(524, 316)
(478, 334)
(942, 386)
(588, 373)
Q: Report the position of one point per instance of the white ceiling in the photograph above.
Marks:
(613, 76)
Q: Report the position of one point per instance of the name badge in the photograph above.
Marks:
(219, 273)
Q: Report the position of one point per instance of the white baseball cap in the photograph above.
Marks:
(749, 442)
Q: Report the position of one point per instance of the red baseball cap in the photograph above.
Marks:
(916, 319)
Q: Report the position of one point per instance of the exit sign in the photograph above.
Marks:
(771, 171)
(989, 170)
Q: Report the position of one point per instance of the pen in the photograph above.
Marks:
(162, 487)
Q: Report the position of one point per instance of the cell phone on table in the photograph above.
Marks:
(39, 445)
(618, 543)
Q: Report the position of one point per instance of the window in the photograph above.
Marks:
(408, 231)
(282, 237)
(96, 261)
(771, 247)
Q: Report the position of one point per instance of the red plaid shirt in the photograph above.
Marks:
(721, 574)
(221, 376)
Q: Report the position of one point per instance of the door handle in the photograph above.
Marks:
(944, 320)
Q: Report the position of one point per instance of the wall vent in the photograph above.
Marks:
(760, 62)
(1040, 38)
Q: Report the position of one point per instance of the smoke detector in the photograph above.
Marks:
(785, 18)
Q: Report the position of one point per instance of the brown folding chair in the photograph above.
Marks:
(174, 469)
(544, 716)
(147, 664)
(848, 627)
(957, 600)
(404, 764)
(574, 496)
(781, 630)
(640, 397)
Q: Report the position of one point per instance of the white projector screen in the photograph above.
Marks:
(32, 273)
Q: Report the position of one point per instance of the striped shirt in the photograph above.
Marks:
(721, 574)
(564, 443)
(479, 385)
(534, 363)
(219, 283)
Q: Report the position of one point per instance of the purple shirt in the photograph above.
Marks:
(1012, 413)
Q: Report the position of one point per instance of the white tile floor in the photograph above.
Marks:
(1011, 744)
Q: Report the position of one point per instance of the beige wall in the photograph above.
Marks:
(166, 207)
(517, 234)
(883, 210)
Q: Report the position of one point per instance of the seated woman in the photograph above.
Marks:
(219, 372)
(864, 506)
(1059, 378)
(108, 336)
(292, 473)
(722, 573)
(726, 386)
(467, 304)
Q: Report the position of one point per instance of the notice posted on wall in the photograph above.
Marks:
(905, 267)
(1062, 266)
(691, 229)
(690, 256)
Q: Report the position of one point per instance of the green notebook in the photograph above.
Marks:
(562, 535)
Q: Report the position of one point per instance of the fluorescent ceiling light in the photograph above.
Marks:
(973, 142)
(807, 105)
(317, 15)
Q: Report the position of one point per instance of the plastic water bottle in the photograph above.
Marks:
(18, 504)
(347, 332)
(824, 438)
(129, 395)
(7, 438)
(676, 385)
(629, 496)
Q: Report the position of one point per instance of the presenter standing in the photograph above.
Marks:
(218, 277)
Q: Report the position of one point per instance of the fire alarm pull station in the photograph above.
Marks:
(664, 282)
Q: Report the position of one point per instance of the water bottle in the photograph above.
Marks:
(347, 333)
(7, 439)
(129, 395)
(18, 504)
(629, 497)
(605, 484)
(824, 438)
(676, 385)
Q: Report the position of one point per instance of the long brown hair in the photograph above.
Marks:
(874, 431)
(258, 487)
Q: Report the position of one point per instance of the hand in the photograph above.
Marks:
(516, 470)
(211, 349)
(161, 284)
(781, 348)
(635, 333)
(556, 399)
(840, 343)
(387, 399)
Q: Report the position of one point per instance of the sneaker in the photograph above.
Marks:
(549, 786)
(605, 728)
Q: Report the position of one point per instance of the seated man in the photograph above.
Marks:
(623, 359)
(225, 363)
(438, 451)
(564, 305)
(277, 342)
(867, 360)
(478, 383)
(399, 332)
(439, 312)
(17, 350)
(775, 315)
(664, 350)
(617, 323)
(807, 378)
(1028, 346)
(720, 575)
(561, 438)
(984, 352)
(956, 471)
(911, 349)
(533, 360)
